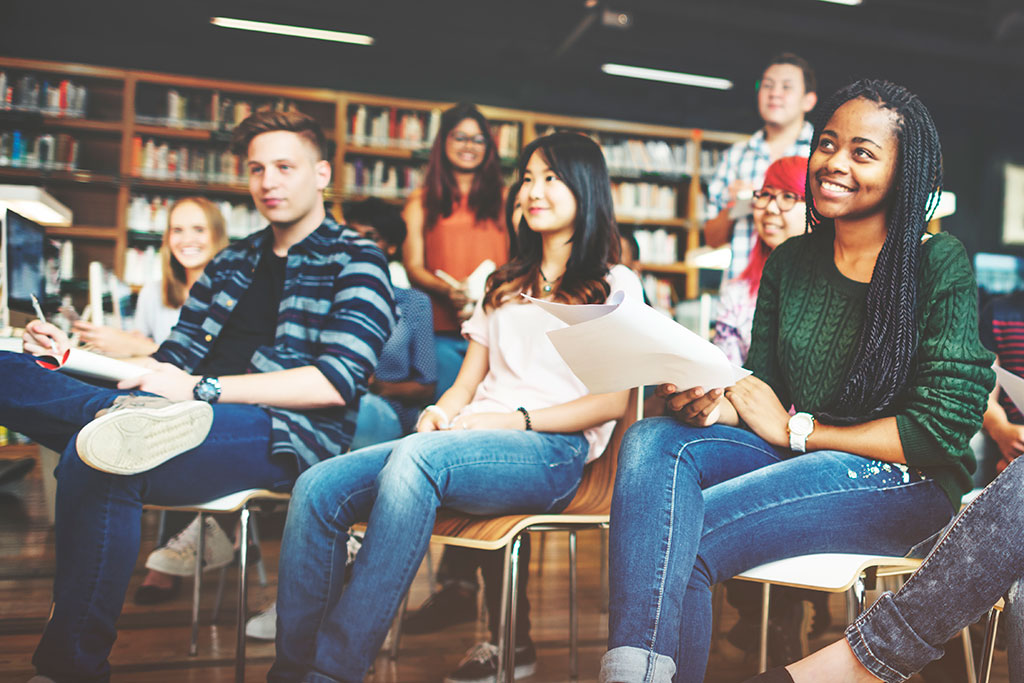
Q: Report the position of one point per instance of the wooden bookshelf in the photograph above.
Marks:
(126, 104)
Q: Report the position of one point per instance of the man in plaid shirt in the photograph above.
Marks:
(260, 379)
(786, 93)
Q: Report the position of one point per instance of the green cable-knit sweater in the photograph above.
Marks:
(809, 316)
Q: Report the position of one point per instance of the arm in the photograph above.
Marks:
(409, 391)
(718, 230)
(1009, 437)
(413, 250)
(114, 342)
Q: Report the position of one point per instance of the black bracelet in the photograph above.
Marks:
(526, 416)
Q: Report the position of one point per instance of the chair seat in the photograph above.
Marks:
(832, 572)
(229, 503)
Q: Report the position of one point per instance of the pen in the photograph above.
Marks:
(39, 314)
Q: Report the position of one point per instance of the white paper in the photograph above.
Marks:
(625, 343)
(1012, 385)
(92, 366)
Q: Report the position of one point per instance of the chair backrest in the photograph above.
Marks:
(594, 496)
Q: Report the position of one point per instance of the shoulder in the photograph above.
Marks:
(944, 259)
(621, 277)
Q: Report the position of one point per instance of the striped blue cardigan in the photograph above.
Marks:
(337, 310)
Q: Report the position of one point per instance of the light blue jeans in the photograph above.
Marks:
(971, 567)
(376, 423)
(331, 632)
(695, 506)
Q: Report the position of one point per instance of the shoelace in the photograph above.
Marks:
(482, 652)
(187, 538)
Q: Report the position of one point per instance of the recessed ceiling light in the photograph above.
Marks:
(667, 76)
(297, 31)
(844, 2)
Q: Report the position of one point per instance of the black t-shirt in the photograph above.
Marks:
(252, 323)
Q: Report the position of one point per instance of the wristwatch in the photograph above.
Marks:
(800, 427)
(207, 389)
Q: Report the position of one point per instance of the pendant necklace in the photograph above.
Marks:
(546, 287)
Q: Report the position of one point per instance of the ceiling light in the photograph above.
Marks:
(844, 2)
(297, 31)
(667, 76)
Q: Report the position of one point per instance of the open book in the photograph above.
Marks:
(625, 343)
(91, 365)
(1012, 385)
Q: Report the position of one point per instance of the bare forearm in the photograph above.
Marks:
(583, 413)
(424, 279)
(878, 439)
(303, 388)
(408, 391)
(718, 229)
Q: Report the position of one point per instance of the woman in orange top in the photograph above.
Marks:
(454, 223)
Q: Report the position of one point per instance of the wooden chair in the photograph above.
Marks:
(590, 508)
(234, 502)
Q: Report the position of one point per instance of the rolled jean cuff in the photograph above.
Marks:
(632, 664)
(886, 644)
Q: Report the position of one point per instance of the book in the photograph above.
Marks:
(91, 365)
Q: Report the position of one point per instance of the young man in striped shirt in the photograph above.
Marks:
(260, 379)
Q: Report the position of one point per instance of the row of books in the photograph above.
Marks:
(27, 92)
(148, 214)
(200, 110)
(657, 246)
(141, 264)
(380, 178)
(49, 152)
(163, 161)
(645, 200)
(660, 292)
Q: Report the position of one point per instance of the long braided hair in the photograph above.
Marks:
(888, 340)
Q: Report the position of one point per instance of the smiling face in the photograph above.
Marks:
(286, 177)
(466, 146)
(782, 98)
(853, 168)
(189, 237)
(775, 226)
(548, 204)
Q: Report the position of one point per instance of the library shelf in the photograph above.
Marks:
(667, 268)
(123, 105)
(91, 232)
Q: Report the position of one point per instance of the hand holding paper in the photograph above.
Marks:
(626, 343)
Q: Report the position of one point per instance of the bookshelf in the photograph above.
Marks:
(142, 139)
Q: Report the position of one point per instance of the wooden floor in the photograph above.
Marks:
(152, 645)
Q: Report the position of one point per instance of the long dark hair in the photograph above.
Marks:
(888, 340)
(441, 192)
(579, 163)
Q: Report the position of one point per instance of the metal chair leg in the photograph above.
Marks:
(965, 637)
(243, 561)
(507, 630)
(261, 571)
(762, 661)
(988, 649)
(219, 599)
(859, 592)
(574, 617)
(197, 585)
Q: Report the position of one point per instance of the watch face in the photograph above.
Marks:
(801, 423)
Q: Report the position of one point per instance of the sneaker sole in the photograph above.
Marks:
(137, 440)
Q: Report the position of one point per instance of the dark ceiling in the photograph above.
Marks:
(965, 58)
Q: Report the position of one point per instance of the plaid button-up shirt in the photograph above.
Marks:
(337, 309)
(747, 160)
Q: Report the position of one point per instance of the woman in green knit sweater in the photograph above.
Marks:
(852, 433)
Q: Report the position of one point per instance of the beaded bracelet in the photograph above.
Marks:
(526, 416)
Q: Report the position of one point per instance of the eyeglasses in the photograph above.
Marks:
(463, 139)
(784, 200)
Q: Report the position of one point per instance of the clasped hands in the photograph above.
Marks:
(433, 422)
(754, 402)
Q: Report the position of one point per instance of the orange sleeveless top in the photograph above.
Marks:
(457, 245)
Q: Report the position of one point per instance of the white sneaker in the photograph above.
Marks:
(263, 626)
(139, 433)
(178, 557)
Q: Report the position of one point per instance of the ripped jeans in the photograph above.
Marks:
(695, 506)
(970, 568)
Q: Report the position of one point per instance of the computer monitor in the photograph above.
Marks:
(24, 261)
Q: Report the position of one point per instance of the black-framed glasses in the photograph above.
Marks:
(463, 139)
(784, 200)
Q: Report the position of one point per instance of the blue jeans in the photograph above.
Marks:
(330, 632)
(695, 506)
(376, 423)
(450, 348)
(971, 567)
(99, 514)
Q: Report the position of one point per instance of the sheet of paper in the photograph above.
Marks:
(1012, 385)
(625, 343)
(92, 366)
